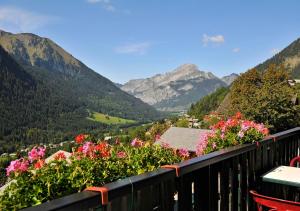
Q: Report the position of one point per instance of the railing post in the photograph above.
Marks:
(185, 193)
(201, 196)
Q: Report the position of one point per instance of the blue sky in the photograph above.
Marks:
(130, 39)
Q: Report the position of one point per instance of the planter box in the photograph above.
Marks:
(220, 179)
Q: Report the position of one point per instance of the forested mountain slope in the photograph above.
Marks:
(48, 61)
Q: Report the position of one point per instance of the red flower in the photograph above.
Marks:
(39, 164)
(80, 149)
(102, 149)
(80, 138)
(60, 156)
(238, 115)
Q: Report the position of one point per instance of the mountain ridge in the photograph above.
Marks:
(174, 90)
(44, 58)
(289, 57)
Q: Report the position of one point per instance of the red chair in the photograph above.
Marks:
(273, 203)
(294, 161)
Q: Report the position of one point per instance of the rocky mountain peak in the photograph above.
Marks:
(174, 90)
(185, 68)
(229, 78)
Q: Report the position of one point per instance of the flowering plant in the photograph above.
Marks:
(91, 164)
(233, 131)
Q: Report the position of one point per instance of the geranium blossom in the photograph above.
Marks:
(39, 164)
(183, 153)
(136, 143)
(80, 138)
(241, 134)
(202, 143)
(121, 154)
(157, 137)
(60, 156)
(36, 153)
(20, 165)
(165, 145)
(102, 149)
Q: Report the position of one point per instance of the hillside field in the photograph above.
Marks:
(106, 119)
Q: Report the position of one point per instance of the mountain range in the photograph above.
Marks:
(43, 87)
(178, 89)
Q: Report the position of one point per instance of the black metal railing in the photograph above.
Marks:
(217, 181)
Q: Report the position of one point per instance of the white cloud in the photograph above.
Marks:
(133, 48)
(216, 39)
(236, 50)
(106, 4)
(19, 20)
(274, 51)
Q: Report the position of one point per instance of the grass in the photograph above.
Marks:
(106, 119)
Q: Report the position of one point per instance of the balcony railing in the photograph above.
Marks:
(217, 181)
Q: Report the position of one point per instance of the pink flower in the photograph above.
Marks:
(214, 145)
(203, 141)
(241, 134)
(165, 145)
(183, 153)
(36, 153)
(19, 166)
(87, 148)
(121, 154)
(157, 137)
(136, 143)
(41, 152)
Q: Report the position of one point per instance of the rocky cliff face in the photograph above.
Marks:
(175, 90)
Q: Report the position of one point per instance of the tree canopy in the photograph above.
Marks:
(266, 97)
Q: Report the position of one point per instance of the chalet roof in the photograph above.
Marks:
(178, 137)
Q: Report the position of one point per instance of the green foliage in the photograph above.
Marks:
(266, 97)
(101, 164)
(183, 122)
(208, 103)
